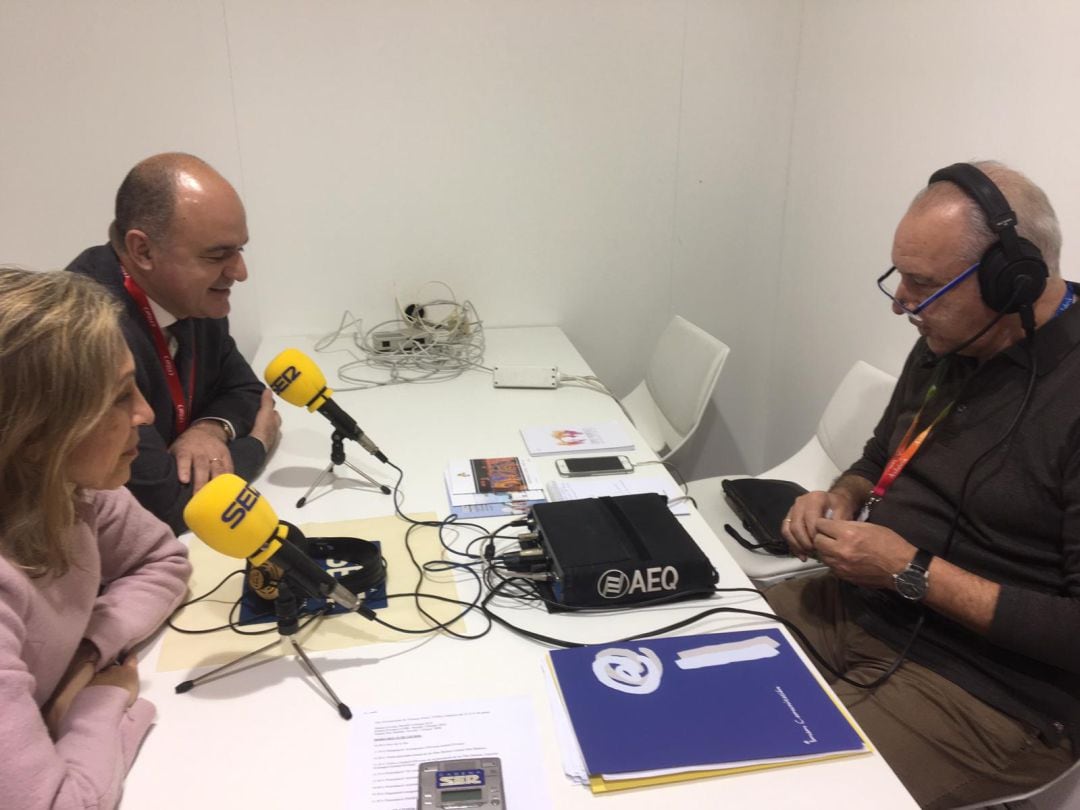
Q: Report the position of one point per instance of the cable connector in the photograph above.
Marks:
(366, 612)
(536, 576)
(525, 563)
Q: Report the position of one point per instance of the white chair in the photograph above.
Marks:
(848, 421)
(666, 407)
(1062, 793)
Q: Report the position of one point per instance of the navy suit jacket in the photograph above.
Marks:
(225, 387)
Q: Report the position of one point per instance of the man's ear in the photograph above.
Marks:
(138, 247)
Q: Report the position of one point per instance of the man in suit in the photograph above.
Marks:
(175, 249)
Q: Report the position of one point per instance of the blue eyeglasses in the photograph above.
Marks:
(890, 288)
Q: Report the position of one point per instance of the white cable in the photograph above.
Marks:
(428, 350)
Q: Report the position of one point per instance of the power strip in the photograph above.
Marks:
(397, 342)
(525, 377)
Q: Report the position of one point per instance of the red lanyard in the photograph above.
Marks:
(906, 450)
(181, 404)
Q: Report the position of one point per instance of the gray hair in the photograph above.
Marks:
(1036, 220)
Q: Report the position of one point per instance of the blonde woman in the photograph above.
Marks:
(85, 572)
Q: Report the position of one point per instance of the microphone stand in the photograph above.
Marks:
(337, 457)
(286, 609)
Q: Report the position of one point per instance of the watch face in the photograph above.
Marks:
(911, 583)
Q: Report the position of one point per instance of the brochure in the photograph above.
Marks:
(605, 436)
(492, 487)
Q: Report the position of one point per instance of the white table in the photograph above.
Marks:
(266, 738)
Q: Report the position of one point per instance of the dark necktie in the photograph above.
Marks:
(182, 332)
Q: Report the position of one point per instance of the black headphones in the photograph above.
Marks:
(1012, 272)
(365, 564)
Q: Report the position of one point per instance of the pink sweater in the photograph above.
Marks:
(128, 573)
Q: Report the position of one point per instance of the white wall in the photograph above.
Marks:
(736, 123)
(555, 161)
(887, 93)
(88, 89)
(522, 152)
(599, 165)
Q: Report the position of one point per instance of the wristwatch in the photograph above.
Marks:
(913, 581)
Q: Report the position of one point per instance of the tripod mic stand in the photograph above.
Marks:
(286, 609)
(337, 457)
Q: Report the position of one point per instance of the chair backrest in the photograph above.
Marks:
(668, 404)
(853, 412)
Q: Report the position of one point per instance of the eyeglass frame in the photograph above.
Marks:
(934, 296)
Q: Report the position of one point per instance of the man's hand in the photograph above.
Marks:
(201, 453)
(800, 525)
(862, 553)
(267, 427)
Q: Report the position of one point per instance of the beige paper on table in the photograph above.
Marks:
(181, 651)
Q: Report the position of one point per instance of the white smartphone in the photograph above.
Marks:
(593, 465)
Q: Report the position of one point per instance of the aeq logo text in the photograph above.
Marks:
(615, 584)
(285, 379)
(236, 511)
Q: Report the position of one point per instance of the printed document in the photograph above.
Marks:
(387, 745)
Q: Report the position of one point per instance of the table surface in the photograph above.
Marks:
(268, 733)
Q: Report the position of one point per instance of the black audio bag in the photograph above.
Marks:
(619, 551)
(761, 504)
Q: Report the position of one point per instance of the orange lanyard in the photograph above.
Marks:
(906, 450)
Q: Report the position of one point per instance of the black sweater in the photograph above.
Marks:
(1020, 522)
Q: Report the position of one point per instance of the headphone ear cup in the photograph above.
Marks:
(1008, 286)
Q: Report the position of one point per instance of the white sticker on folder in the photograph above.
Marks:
(627, 671)
(715, 655)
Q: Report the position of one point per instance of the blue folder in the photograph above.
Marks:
(739, 697)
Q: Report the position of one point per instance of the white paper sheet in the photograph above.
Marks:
(576, 488)
(387, 745)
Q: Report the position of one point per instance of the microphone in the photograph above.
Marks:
(1025, 310)
(233, 518)
(294, 377)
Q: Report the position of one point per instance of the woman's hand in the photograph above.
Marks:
(125, 675)
(79, 674)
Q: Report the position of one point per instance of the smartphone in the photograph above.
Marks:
(461, 783)
(594, 465)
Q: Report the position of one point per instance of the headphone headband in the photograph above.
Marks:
(974, 182)
(1012, 272)
(363, 555)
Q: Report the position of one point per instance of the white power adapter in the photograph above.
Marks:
(525, 377)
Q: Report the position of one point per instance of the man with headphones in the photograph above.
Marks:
(949, 618)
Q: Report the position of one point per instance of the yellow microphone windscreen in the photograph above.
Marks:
(230, 516)
(294, 377)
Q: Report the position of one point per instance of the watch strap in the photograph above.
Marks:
(922, 560)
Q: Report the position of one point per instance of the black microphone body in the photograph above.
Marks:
(309, 576)
(346, 425)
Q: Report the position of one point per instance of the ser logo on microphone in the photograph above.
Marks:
(285, 379)
(236, 511)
